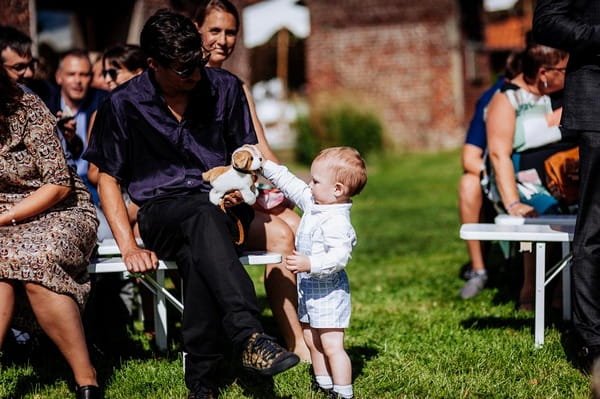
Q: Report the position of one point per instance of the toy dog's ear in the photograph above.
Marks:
(242, 159)
(248, 160)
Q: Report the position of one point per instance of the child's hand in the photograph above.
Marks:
(298, 263)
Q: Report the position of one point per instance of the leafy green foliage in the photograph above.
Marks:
(337, 126)
(307, 145)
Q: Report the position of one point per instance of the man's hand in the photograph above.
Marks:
(67, 125)
(139, 260)
(553, 119)
(232, 199)
(298, 263)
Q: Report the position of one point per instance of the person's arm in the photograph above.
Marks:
(555, 25)
(93, 174)
(263, 145)
(93, 170)
(67, 128)
(41, 139)
(472, 159)
(41, 199)
(137, 260)
(291, 186)
(108, 148)
(500, 127)
(338, 240)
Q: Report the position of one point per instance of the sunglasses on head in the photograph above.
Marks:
(189, 69)
(22, 66)
(112, 72)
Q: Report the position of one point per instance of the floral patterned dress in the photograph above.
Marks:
(53, 247)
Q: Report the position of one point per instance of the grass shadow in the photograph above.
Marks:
(256, 386)
(49, 366)
(484, 323)
(359, 355)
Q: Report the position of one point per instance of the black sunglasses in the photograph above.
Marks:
(21, 66)
(188, 70)
(112, 72)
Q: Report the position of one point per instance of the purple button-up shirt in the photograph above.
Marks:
(137, 140)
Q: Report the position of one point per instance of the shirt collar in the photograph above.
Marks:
(332, 208)
(149, 88)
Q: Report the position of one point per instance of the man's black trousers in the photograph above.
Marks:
(586, 243)
(219, 295)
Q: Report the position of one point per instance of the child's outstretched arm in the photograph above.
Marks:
(291, 186)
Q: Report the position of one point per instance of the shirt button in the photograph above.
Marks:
(189, 183)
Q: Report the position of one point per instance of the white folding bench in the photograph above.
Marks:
(540, 231)
(108, 260)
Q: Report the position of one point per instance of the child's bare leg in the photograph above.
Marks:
(319, 362)
(7, 299)
(332, 341)
(317, 357)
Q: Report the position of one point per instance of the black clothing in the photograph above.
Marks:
(574, 26)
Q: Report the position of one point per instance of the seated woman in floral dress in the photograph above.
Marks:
(47, 232)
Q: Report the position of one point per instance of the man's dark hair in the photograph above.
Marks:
(16, 40)
(168, 37)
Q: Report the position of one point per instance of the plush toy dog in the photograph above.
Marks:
(239, 175)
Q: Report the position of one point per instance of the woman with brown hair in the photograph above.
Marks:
(47, 232)
(523, 130)
(273, 229)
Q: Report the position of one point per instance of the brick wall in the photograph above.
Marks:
(400, 58)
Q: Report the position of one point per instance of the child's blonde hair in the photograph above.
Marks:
(348, 166)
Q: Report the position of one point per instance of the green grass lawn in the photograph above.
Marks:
(411, 335)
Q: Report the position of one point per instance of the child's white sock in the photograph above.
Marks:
(345, 391)
(324, 381)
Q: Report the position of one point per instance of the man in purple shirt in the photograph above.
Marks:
(155, 136)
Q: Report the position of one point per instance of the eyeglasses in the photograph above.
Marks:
(188, 70)
(563, 70)
(112, 72)
(22, 66)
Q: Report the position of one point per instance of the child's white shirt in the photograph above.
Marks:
(325, 233)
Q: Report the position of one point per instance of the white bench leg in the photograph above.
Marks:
(540, 302)
(160, 313)
(566, 284)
